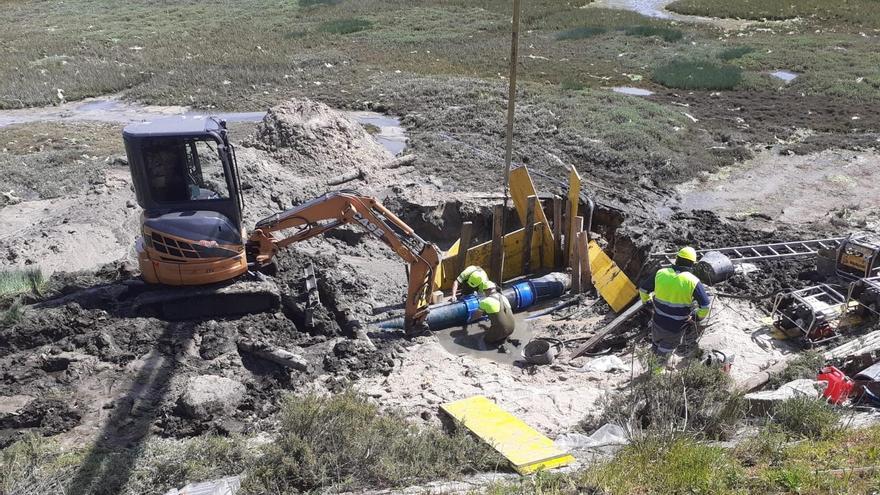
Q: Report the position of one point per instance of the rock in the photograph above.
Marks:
(210, 395)
(762, 402)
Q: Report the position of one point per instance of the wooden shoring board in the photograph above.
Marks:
(521, 187)
(574, 192)
(481, 254)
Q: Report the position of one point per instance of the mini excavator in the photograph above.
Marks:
(186, 180)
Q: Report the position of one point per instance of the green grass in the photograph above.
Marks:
(667, 34)
(763, 465)
(735, 53)
(315, 3)
(687, 74)
(858, 13)
(581, 33)
(345, 26)
(18, 281)
(571, 85)
(682, 466)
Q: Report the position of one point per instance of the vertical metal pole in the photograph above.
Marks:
(511, 102)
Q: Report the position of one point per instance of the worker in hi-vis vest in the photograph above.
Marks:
(497, 308)
(474, 278)
(679, 299)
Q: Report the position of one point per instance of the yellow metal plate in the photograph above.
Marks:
(525, 448)
(613, 285)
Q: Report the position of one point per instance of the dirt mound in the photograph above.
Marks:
(314, 140)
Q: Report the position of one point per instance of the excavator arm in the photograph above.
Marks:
(337, 208)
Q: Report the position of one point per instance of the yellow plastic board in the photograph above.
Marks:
(613, 285)
(525, 448)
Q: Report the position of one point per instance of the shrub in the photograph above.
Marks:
(345, 442)
(697, 75)
(696, 401)
(580, 33)
(735, 52)
(345, 26)
(806, 417)
(667, 34)
(805, 365)
(571, 85)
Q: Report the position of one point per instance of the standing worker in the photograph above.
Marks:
(497, 308)
(674, 292)
(475, 278)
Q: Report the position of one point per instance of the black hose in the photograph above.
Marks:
(547, 311)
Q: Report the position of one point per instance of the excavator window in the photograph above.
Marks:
(182, 170)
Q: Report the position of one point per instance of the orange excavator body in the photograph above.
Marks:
(186, 179)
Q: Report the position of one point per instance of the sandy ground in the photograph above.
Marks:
(552, 399)
(795, 189)
(738, 328)
(72, 233)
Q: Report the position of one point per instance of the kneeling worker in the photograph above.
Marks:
(475, 278)
(675, 293)
(496, 306)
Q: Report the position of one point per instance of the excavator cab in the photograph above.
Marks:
(186, 180)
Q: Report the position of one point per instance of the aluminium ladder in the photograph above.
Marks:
(767, 252)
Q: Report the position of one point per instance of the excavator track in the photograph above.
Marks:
(215, 301)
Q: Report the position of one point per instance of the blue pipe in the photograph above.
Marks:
(521, 295)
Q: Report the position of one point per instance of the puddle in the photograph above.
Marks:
(627, 90)
(785, 75)
(113, 110)
(649, 8)
(391, 135)
(468, 341)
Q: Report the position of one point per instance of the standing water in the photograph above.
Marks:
(785, 75)
(390, 134)
(626, 90)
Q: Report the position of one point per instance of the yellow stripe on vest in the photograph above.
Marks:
(525, 448)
